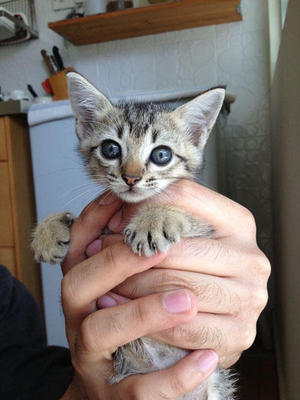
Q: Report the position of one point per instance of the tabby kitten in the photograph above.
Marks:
(136, 151)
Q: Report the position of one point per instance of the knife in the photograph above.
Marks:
(48, 61)
(31, 90)
(53, 59)
(58, 58)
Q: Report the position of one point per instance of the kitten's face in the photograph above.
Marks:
(137, 150)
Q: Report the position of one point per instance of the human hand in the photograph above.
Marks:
(94, 334)
(227, 273)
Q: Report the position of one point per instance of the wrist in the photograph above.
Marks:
(75, 391)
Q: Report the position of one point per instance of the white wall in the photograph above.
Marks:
(235, 54)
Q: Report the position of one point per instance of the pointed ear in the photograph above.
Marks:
(199, 115)
(88, 104)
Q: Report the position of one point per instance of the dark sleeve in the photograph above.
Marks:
(29, 369)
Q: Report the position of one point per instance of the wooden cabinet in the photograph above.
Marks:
(6, 226)
(17, 207)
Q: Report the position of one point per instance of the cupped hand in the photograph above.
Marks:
(94, 333)
(227, 273)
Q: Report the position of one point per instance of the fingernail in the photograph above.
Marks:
(106, 199)
(94, 248)
(115, 221)
(106, 301)
(207, 361)
(177, 302)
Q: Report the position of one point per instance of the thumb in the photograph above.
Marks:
(89, 226)
(123, 216)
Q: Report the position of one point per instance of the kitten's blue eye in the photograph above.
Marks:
(110, 149)
(161, 155)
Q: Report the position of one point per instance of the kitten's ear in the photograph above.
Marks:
(199, 115)
(88, 104)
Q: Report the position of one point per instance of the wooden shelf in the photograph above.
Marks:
(142, 21)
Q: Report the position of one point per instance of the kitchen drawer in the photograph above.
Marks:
(7, 258)
(3, 149)
(6, 223)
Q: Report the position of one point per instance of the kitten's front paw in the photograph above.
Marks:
(153, 230)
(51, 238)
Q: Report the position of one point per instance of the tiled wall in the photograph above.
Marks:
(235, 54)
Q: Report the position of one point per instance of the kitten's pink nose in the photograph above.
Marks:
(131, 180)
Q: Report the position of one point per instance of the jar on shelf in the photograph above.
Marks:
(116, 5)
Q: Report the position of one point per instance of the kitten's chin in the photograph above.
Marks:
(134, 197)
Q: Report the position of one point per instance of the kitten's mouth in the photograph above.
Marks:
(134, 195)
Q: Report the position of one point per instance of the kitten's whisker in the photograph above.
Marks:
(77, 189)
(80, 195)
(108, 192)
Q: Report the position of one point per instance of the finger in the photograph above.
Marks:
(105, 330)
(229, 259)
(102, 242)
(208, 331)
(228, 360)
(92, 278)
(109, 240)
(170, 383)
(222, 213)
(214, 294)
(111, 299)
(89, 226)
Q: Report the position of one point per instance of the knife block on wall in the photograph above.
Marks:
(58, 84)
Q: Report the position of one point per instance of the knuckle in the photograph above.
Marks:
(248, 217)
(254, 302)
(88, 335)
(115, 324)
(187, 334)
(247, 337)
(110, 257)
(177, 384)
(68, 290)
(196, 337)
(136, 391)
(261, 265)
(259, 300)
(139, 314)
(210, 291)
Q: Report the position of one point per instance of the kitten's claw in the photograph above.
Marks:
(63, 243)
(154, 247)
(140, 248)
(127, 234)
(67, 219)
(157, 228)
(146, 233)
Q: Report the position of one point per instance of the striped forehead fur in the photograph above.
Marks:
(140, 116)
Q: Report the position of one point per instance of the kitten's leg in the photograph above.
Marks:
(156, 228)
(51, 238)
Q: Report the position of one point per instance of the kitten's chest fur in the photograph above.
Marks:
(146, 355)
